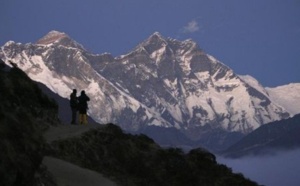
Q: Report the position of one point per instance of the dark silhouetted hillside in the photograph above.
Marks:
(138, 160)
(25, 112)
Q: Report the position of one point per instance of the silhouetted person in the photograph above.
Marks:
(74, 105)
(82, 107)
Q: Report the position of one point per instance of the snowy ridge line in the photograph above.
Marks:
(286, 96)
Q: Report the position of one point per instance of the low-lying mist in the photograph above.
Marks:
(281, 168)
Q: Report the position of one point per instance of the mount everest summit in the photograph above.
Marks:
(162, 82)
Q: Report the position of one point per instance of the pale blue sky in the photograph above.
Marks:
(256, 37)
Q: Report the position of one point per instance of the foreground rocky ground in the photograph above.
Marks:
(65, 173)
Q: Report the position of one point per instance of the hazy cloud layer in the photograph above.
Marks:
(191, 27)
(280, 169)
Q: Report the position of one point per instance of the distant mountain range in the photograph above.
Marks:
(162, 84)
(268, 139)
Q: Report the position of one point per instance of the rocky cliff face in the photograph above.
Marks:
(162, 82)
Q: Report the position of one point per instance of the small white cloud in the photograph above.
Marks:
(191, 27)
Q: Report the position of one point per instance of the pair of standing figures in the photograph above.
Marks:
(79, 104)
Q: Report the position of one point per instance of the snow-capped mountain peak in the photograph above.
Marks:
(59, 39)
(156, 35)
(51, 37)
(154, 42)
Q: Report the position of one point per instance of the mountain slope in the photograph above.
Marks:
(162, 82)
(66, 173)
(288, 96)
(188, 87)
(275, 136)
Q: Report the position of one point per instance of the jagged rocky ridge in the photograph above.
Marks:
(163, 82)
(128, 159)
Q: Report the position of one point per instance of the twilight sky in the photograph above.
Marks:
(256, 37)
